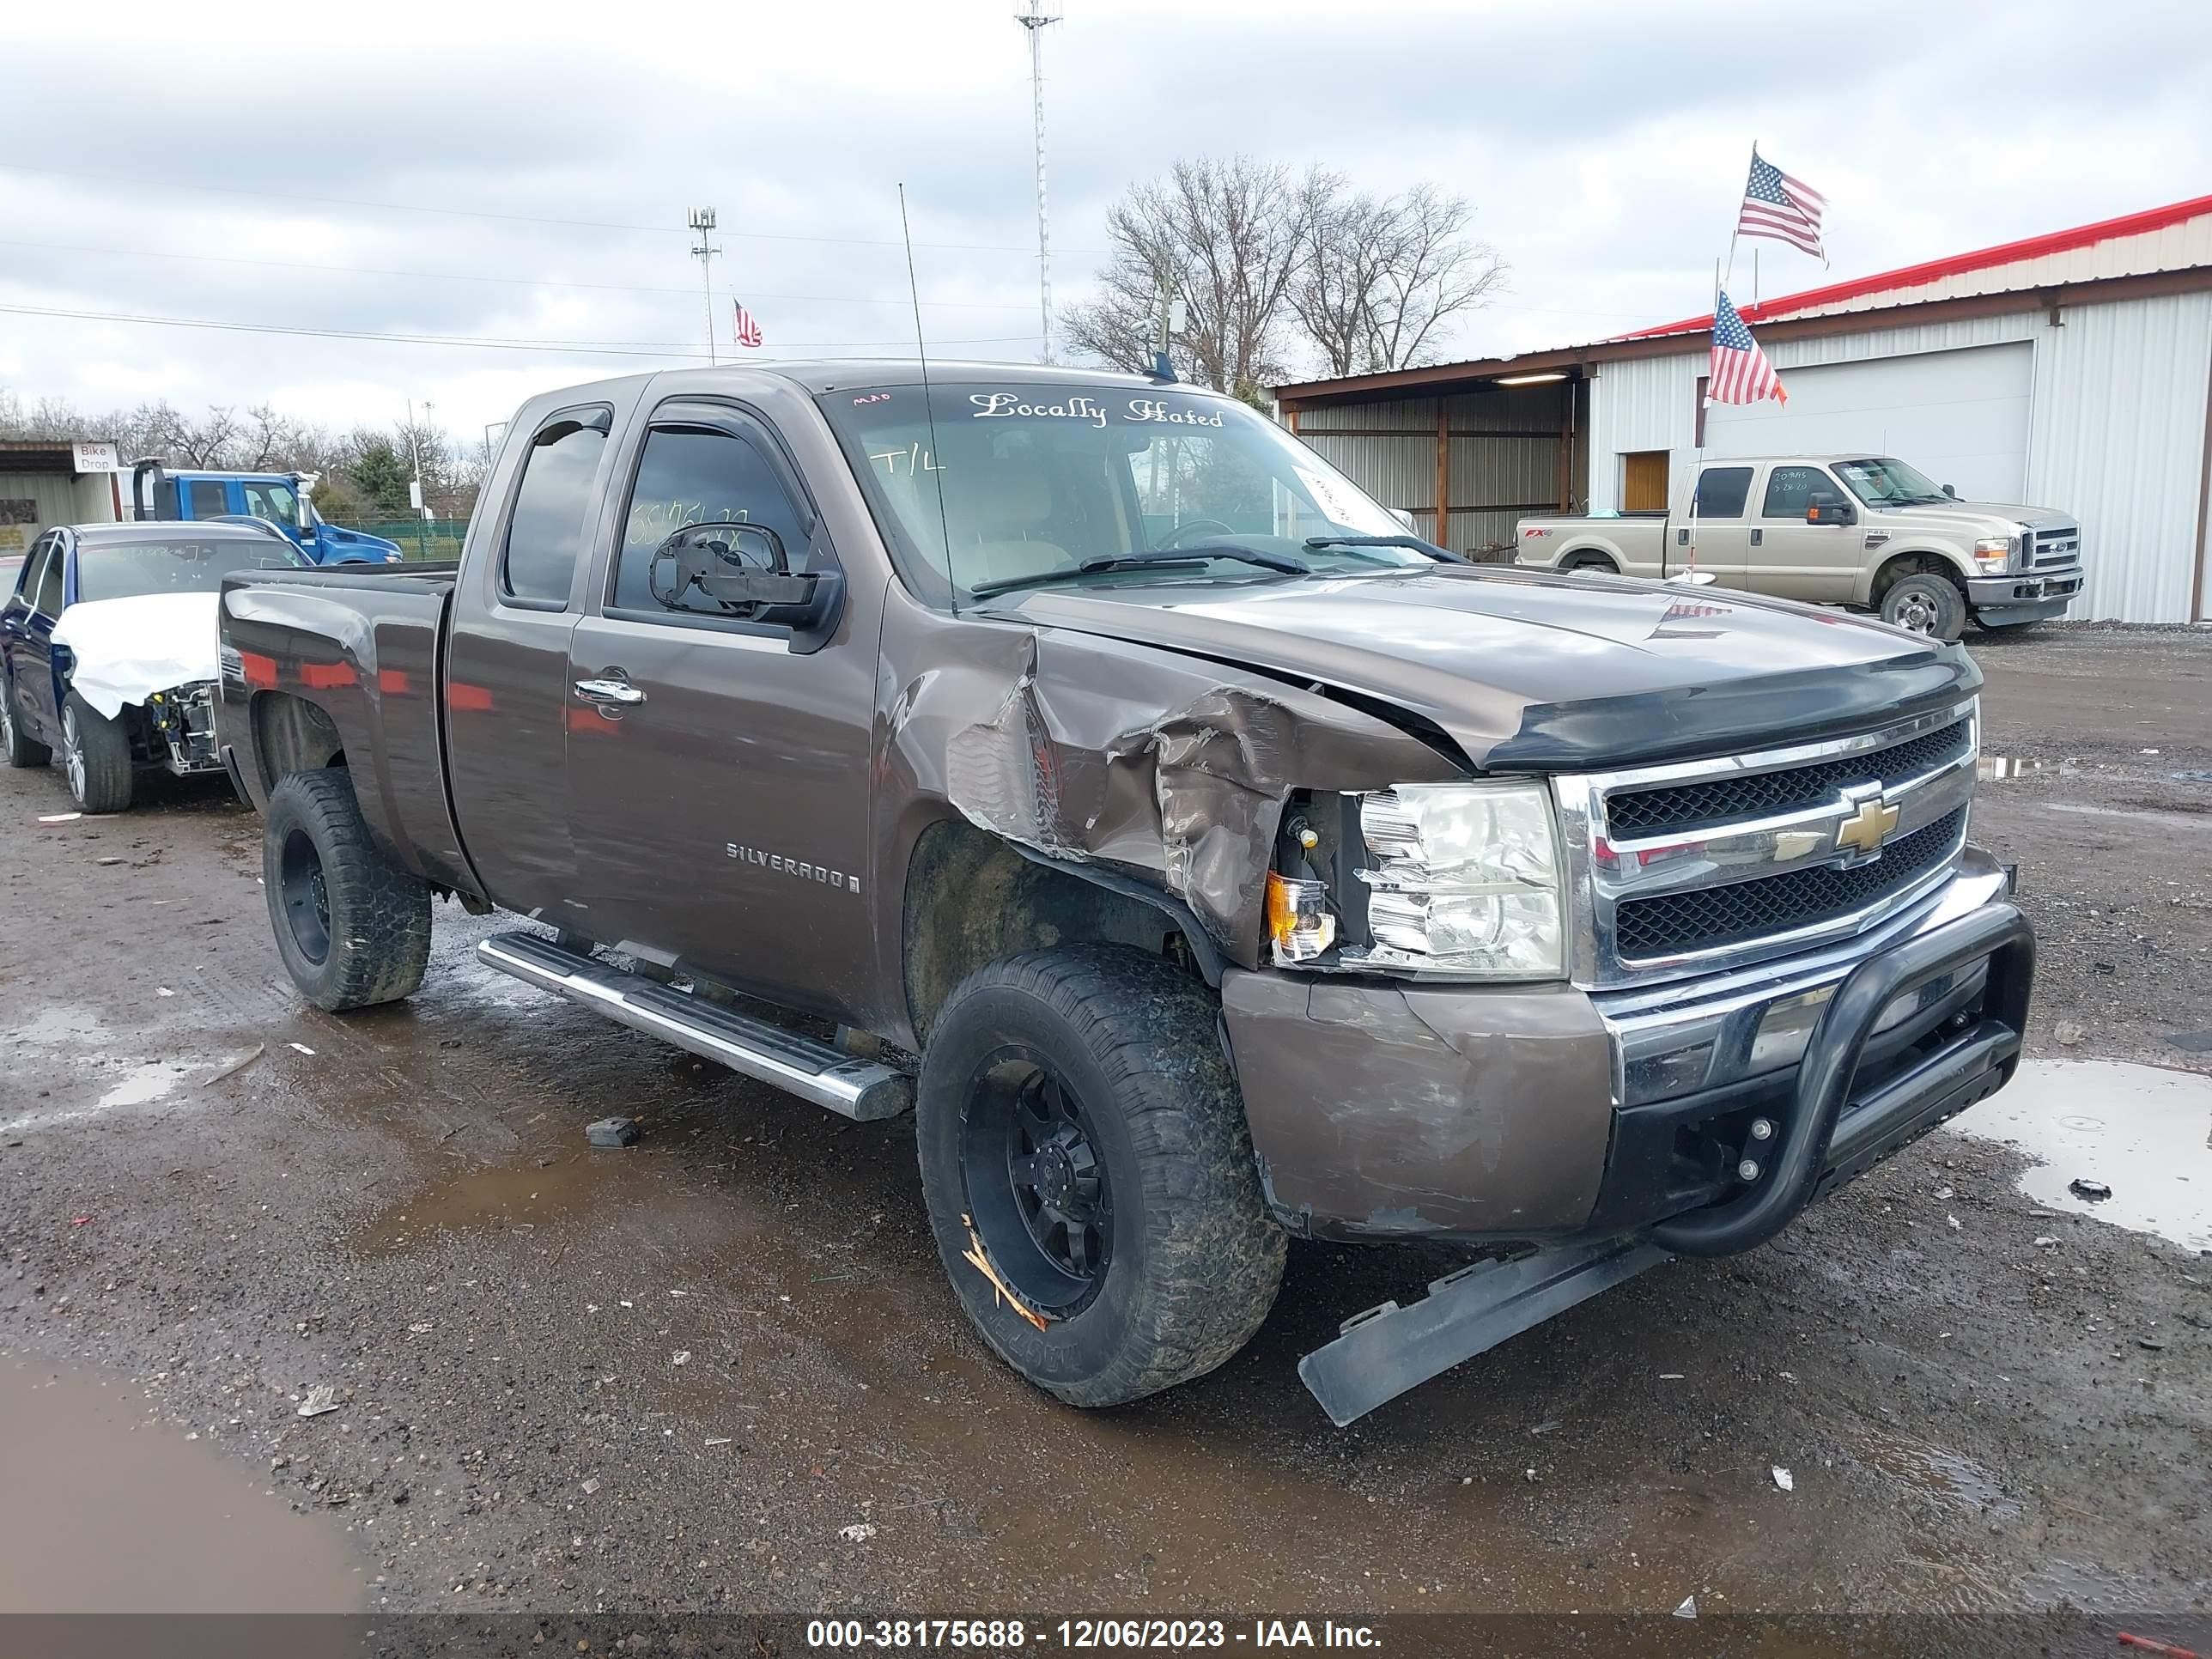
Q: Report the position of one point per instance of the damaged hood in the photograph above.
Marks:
(125, 650)
(1527, 671)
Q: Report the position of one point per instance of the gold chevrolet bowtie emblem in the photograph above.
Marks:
(1867, 827)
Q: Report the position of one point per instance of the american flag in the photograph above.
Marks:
(1739, 373)
(747, 329)
(1776, 206)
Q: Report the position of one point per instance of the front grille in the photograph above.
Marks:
(1676, 923)
(2060, 546)
(1684, 806)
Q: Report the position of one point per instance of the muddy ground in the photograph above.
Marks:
(670, 1377)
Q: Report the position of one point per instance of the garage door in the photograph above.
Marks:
(1959, 416)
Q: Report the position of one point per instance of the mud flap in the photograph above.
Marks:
(1383, 1352)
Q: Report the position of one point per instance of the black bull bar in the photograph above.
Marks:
(1828, 1135)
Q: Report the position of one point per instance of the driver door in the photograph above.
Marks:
(718, 766)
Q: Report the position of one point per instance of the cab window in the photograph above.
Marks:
(274, 501)
(210, 498)
(546, 532)
(1791, 489)
(35, 566)
(699, 475)
(1720, 492)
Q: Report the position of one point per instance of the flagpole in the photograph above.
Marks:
(1739, 225)
(1698, 466)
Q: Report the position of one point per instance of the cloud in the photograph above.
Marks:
(534, 164)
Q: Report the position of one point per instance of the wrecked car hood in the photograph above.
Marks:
(125, 650)
(1527, 671)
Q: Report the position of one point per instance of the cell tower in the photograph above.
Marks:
(1035, 20)
(702, 222)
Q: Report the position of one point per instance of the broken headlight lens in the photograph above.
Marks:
(1464, 880)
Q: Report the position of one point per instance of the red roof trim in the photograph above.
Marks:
(1958, 265)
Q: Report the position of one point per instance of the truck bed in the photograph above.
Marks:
(365, 643)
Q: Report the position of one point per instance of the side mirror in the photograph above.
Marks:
(1827, 509)
(1951, 492)
(740, 571)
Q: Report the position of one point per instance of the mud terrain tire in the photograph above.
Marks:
(353, 928)
(1185, 1262)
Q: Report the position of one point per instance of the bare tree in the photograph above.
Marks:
(1226, 236)
(1383, 276)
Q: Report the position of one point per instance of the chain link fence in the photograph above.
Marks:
(418, 538)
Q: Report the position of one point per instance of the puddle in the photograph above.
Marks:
(141, 1085)
(60, 1025)
(2144, 1132)
(2162, 820)
(488, 1200)
(2004, 769)
(108, 1511)
(1947, 1476)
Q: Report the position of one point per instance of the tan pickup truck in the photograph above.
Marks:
(1865, 530)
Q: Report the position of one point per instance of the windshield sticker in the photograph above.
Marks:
(1005, 403)
(917, 459)
(1326, 496)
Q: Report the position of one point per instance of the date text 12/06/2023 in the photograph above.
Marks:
(999, 1635)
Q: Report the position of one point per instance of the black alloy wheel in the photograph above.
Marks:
(1036, 1183)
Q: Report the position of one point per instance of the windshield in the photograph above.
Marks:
(1039, 479)
(123, 570)
(1884, 481)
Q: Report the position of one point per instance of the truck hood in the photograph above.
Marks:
(125, 650)
(1972, 517)
(1525, 671)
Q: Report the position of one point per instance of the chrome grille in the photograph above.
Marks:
(1709, 918)
(1636, 813)
(2056, 545)
(1697, 867)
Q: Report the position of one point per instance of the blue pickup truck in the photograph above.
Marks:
(277, 498)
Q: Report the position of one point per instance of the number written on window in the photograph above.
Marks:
(692, 475)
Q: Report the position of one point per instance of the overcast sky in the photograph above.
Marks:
(258, 164)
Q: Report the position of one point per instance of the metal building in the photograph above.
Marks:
(2071, 371)
(51, 481)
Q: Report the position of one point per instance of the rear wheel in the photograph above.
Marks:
(1924, 603)
(14, 742)
(1089, 1175)
(353, 928)
(95, 757)
(1595, 563)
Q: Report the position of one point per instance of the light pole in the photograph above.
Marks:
(1035, 20)
(703, 221)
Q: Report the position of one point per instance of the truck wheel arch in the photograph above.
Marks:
(291, 734)
(1909, 562)
(972, 897)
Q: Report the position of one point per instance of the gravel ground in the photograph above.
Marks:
(721, 1370)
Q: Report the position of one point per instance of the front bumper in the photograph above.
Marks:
(1523, 1114)
(2028, 596)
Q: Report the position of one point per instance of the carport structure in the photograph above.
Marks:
(49, 481)
(2071, 371)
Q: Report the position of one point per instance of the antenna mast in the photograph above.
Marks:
(1035, 20)
(703, 221)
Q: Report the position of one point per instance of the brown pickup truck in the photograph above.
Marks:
(1084, 762)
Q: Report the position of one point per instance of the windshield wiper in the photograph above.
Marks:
(1443, 555)
(1152, 559)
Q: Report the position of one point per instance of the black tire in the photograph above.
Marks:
(1925, 603)
(15, 741)
(1184, 1263)
(95, 757)
(353, 928)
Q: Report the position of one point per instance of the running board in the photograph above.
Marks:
(861, 1088)
(1387, 1349)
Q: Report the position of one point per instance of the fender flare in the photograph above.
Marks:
(1204, 951)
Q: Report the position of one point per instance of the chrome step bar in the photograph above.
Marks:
(865, 1090)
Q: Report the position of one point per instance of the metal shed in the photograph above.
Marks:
(2071, 371)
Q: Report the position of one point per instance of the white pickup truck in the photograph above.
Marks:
(1865, 530)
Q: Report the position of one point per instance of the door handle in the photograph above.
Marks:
(609, 691)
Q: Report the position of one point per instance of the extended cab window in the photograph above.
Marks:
(1791, 489)
(274, 501)
(695, 475)
(552, 507)
(211, 500)
(1722, 490)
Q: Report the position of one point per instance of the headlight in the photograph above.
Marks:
(1465, 881)
(1991, 551)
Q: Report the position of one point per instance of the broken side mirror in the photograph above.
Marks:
(741, 571)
